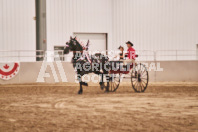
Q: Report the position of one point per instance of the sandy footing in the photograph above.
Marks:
(39, 107)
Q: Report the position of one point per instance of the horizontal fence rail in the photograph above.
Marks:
(53, 55)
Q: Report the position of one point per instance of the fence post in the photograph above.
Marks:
(155, 52)
(176, 55)
(62, 55)
(19, 56)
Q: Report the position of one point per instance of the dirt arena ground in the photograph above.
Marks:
(49, 107)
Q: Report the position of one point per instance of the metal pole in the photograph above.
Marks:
(41, 42)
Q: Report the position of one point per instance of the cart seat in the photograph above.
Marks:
(135, 55)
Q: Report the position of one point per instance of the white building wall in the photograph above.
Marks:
(156, 24)
(17, 27)
(65, 17)
(149, 24)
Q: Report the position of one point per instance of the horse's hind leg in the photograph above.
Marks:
(101, 81)
(102, 85)
(107, 79)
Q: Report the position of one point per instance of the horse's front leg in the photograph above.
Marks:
(81, 89)
(80, 82)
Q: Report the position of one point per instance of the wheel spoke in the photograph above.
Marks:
(142, 86)
(136, 84)
(142, 73)
(144, 78)
(139, 86)
(144, 82)
(135, 80)
(140, 67)
(114, 82)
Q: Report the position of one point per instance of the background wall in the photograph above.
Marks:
(176, 71)
(17, 27)
(65, 17)
(149, 24)
(156, 24)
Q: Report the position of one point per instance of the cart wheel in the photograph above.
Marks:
(139, 78)
(114, 82)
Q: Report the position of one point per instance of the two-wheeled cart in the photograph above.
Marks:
(136, 72)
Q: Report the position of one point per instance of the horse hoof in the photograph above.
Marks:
(101, 85)
(85, 84)
(80, 92)
(106, 91)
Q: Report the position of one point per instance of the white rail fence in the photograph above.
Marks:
(143, 55)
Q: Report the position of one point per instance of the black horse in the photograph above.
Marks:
(84, 63)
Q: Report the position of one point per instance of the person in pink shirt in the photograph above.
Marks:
(131, 51)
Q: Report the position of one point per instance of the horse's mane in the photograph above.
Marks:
(81, 44)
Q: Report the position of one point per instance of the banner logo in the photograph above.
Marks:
(9, 70)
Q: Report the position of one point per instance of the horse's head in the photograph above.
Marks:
(67, 48)
(73, 45)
